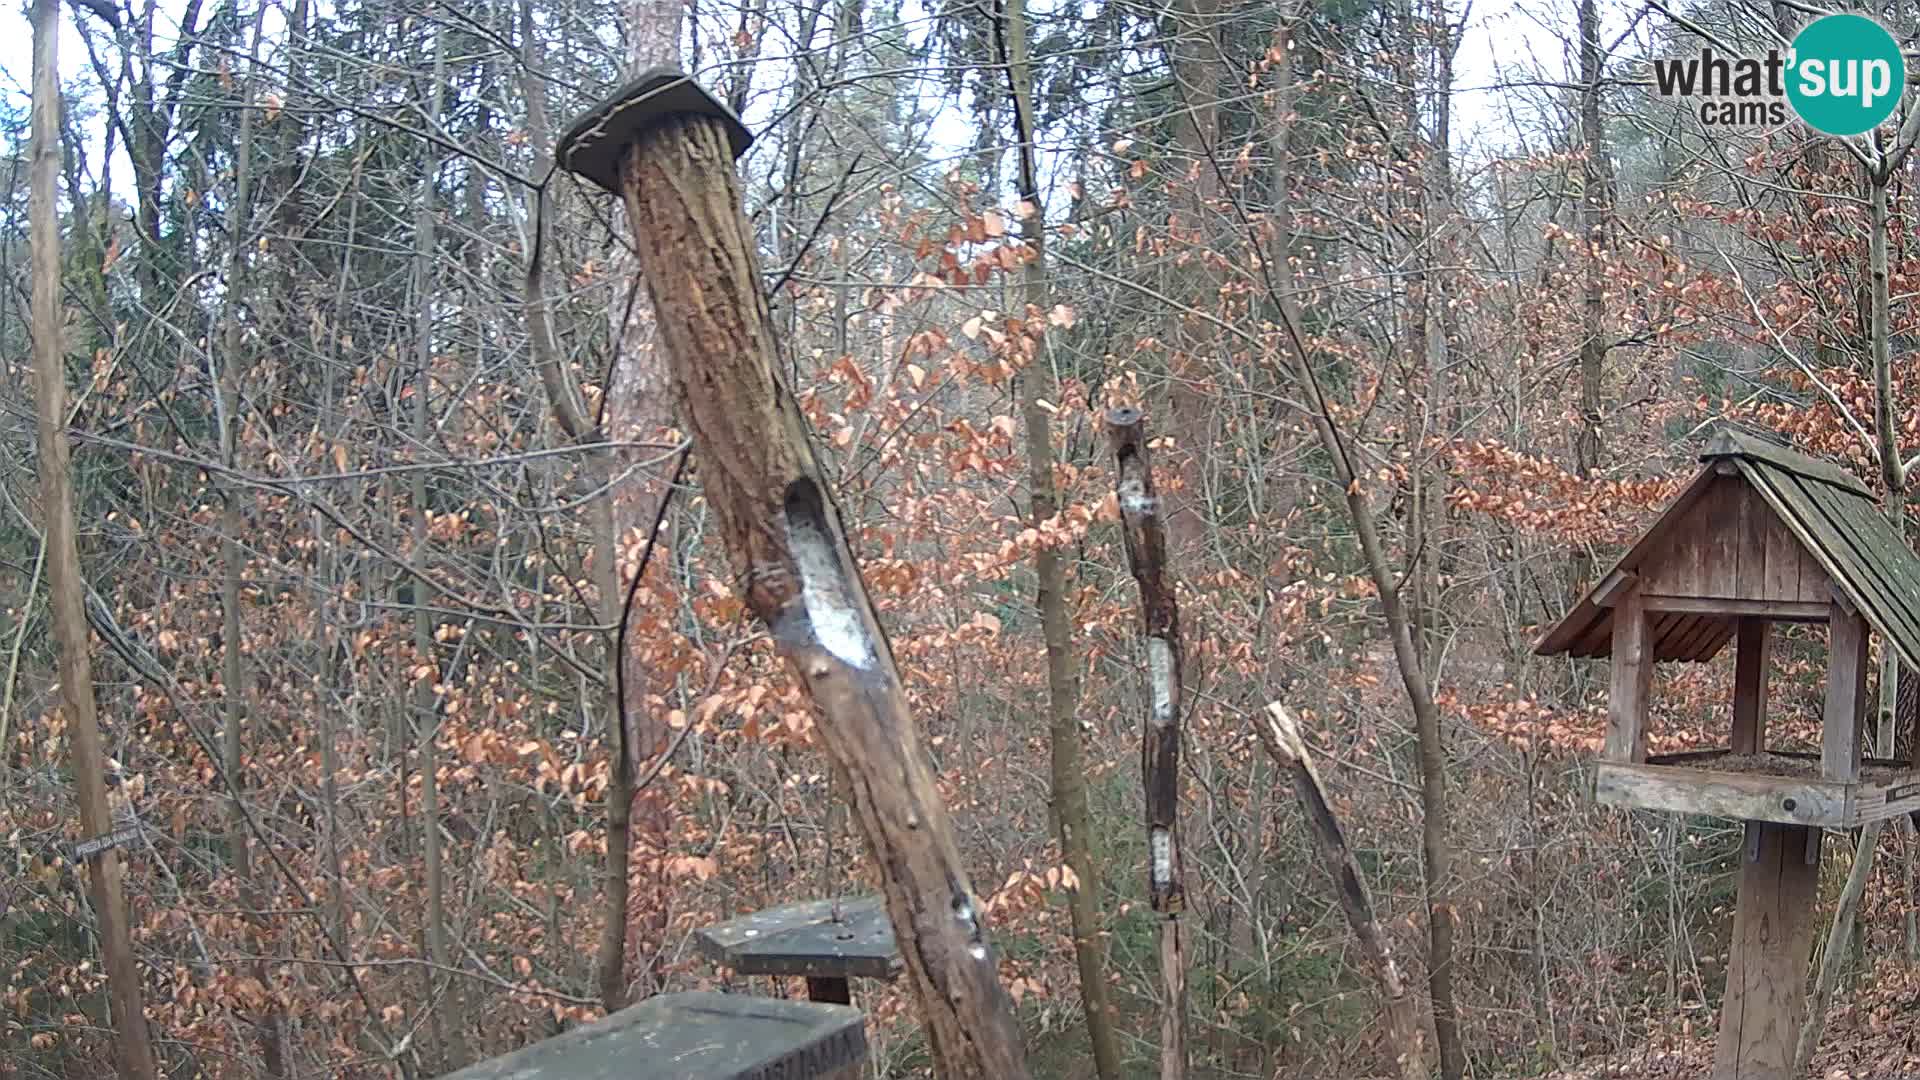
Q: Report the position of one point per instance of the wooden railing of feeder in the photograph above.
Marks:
(1762, 535)
(667, 147)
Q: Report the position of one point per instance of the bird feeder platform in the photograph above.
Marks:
(696, 1036)
(826, 941)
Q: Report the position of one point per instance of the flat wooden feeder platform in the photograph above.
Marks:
(1772, 786)
(696, 1036)
(808, 939)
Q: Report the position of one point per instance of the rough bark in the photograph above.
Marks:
(1070, 814)
(1146, 542)
(66, 587)
(796, 572)
(1404, 1034)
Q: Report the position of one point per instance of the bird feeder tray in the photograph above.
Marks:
(806, 939)
(696, 1036)
(596, 145)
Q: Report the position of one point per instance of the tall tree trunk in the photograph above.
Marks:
(66, 587)
(1595, 183)
(427, 712)
(1070, 813)
(227, 398)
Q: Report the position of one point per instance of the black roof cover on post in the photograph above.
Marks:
(597, 143)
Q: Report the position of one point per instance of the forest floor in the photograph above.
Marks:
(1873, 1036)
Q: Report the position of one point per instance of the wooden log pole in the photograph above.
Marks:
(1406, 1036)
(1752, 658)
(668, 147)
(1145, 536)
(1766, 999)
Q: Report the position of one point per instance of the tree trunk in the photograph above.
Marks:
(1146, 542)
(1070, 812)
(65, 587)
(796, 572)
(1281, 736)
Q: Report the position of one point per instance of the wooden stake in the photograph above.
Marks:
(1146, 542)
(1765, 1003)
(1405, 1034)
(795, 569)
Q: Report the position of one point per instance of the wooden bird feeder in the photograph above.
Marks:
(826, 941)
(705, 1035)
(1762, 535)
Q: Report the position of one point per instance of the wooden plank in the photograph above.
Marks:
(1578, 623)
(814, 938)
(1613, 585)
(1888, 799)
(1779, 610)
(1728, 442)
(1840, 724)
(1740, 796)
(1765, 1001)
(1783, 557)
(1711, 645)
(1752, 519)
(1632, 678)
(1751, 662)
(1877, 579)
(700, 1034)
(1720, 538)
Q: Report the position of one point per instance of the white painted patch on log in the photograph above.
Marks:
(1160, 851)
(835, 623)
(1160, 672)
(1134, 498)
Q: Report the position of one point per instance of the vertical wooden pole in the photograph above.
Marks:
(795, 569)
(1840, 725)
(1146, 544)
(1765, 1003)
(1632, 681)
(1751, 660)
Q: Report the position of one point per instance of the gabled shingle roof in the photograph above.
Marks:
(1828, 510)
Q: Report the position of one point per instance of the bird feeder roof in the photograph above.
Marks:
(1832, 525)
(596, 144)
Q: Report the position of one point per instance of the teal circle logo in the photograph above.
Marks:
(1847, 74)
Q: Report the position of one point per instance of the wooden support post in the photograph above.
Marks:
(1751, 660)
(1632, 681)
(1405, 1034)
(1841, 724)
(1766, 998)
(1145, 537)
(834, 991)
(668, 147)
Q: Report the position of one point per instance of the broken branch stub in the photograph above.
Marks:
(789, 548)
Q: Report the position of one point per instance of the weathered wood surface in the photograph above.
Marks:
(1842, 721)
(696, 1036)
(1731, 545)
(1406, 1035)
(806, 939)
(1751, 661)
(1765, 1001)
(1738, 796)
(1145, 537)
(1632, 680)
(796, 571)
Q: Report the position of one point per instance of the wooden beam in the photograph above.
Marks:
(1613, 586)
(1841, 722)
(1777, 610)
(774, 511)
(1751, 661)
(1711, 793)
(1765, 1002)
(1632, 680)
